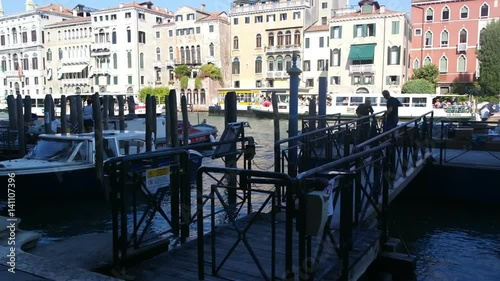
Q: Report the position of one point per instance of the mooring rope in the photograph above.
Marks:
(260, 168)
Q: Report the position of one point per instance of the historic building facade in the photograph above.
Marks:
(22, 55)
(193, 38)
(368, 50)
(123, 49)
(446, 34)
(67, 56)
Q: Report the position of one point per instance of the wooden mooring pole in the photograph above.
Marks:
(121, 112)
(174, 140)
(105, 108)
(230, 112)
(21, 135)
(64, 120)
(46, 114)
(79, 113)
(149, 122)
(73, 118)
(27, 110)
(99, 147)
(185, 121)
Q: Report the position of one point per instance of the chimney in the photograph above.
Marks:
(202, 7)
(382, 9)
(75, 13)
(60, 8)
(121, 5)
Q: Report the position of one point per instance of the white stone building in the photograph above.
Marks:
(195, 37)
(123, 51)
(22, 39)
(316, 56)
(369, 50)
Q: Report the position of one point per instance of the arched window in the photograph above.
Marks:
(235, 43)
(288, 38)
(416, 64)
(211, 49)
(445, 14)
(49, 55)
(236, 66)
(16, 61)
(183, 56)
(280, 39)
(427, 61)
(193, 54)
(271, 39)
(464, 12)
(258, 41)
(428, 39)
(270, 64)
(113, 36)
(444, 38)
(288, 62)
(158, 54)
(60, 54)
(130, 90)
(188, 55)
(485, 10)
(14, 36)
(258, 65)
(429, 14)
(296, 39)
(115, 61)
(462, 64)
(279, 63)
(141, 60)
(463, 36)
(443, 65)
(129, 59)
(198, 53)
(171, 53)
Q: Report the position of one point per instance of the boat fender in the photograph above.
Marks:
(212, 138)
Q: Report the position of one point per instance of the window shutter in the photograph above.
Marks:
(340, 32)
(340, 58)
(398, 60)
(331, 57)
(354, 31)
(388, 55)
(363, 30)
(331, 31)
(374, 29)
(397, 80)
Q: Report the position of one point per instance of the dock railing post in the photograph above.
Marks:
(293, 121)
(346, 223)
(174, 142)
(149, 108)
(230, 115)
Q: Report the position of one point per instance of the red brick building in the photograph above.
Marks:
(446, 34)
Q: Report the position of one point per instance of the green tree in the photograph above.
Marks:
(211, 71)
(144, 92)
(197, 83)
(182, 70)
(418, 86)
(160, 93)
(429, 72)
(466, 88)
(184, 82)
(489, 58)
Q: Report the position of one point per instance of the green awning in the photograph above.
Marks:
(362, 52)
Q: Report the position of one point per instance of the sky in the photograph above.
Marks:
(15, 6)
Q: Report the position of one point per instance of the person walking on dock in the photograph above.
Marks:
(87, 113)
(391, 115)
(364, 109)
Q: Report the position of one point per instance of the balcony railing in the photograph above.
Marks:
(283, 49)
(76, 81)
(462, 47)
(277, 74)
(210, 59)
(362, 68)
(170, 63)
(101, 46)
(157, 64)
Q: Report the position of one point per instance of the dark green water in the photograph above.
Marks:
(452, 240)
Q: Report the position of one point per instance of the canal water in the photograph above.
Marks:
(452, 240)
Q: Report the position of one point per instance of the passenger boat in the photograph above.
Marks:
(444, 106)
(64, 165)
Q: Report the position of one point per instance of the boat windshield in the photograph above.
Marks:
(59, 150)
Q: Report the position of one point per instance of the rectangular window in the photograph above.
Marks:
(247, 19)
(27, 81)
(33, 36)
(157, 33)
(334, 80)
(321, 42)
(283, 16)
(113, 17)
(129, 79)
(258, 19)
(115, 80)
(395, 27)
(307, 65)
(170, 33)
(324, 5)
(97, 80)
(296, 15)
(129, 35)
(418, 32)
(307, 42)
(128, 15)
(358, 30)
(36, 80)
(2, 40)
(392, 80)
(235, 21)
(108, 80)
(142, 37)
(142, 80)
(210, 28)
(271, 18)
(310, 83)
(324, 21)
(370, 29)
(198, 30)
(322, 65)
(25, 37)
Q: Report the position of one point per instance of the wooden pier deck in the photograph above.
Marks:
(181, 263)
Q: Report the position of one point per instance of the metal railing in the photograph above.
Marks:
(459, 142)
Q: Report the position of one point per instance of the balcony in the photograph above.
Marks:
(76, 82)
(462, 47)
(210, 59)
(283, 49)
(100, 49)
(277, 75)
(170, 63)
(157, 64)
(362, 68)
(99, 71)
